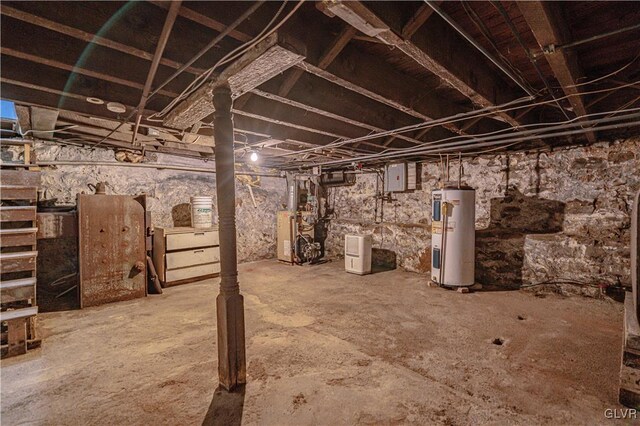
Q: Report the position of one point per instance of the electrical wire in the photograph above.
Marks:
(460, 117)
(236, 53)
(505, 138)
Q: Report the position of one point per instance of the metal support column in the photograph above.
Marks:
(232, 369)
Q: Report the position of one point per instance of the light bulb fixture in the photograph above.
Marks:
(254, 156)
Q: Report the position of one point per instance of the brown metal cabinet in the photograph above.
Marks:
(111, 246)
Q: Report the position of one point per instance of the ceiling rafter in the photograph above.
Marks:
(88, 37)
(329, 76)
(460, 68)
(550, 30)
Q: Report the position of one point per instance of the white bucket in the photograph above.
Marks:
(201, 212)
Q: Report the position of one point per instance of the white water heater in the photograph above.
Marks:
(357, 254)
(453, 236)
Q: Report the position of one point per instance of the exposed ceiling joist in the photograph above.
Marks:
(441, 52)
(342, 75)
(262, 62)
(417, 20)
(547, 25)
(327, 57)
(88, 37)
(155, 62)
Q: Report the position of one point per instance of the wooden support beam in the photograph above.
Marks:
(344, 75)
(155, 62)
(328, 114)
(441, 51)
(327, 57)
(546, 23)
(267, 59)
(414, 24)
(205, 21)
(88, 37)
(75, 69)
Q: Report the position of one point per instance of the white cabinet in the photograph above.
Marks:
(183, 255)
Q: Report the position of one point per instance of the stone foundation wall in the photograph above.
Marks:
(562, 215)
(168, 192)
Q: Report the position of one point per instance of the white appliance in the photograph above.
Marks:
(357, 254)
(453, 236)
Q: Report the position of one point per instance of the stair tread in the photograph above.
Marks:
(19, 313)
(22, 282)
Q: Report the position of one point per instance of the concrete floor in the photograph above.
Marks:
(324, 347)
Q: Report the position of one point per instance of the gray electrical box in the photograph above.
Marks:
(395, 177)
(400, 177)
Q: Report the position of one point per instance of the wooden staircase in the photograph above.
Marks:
(18, 255)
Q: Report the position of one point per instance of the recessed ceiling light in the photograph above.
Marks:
(95, 101)
(116, 107)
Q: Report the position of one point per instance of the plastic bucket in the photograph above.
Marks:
(201, 212)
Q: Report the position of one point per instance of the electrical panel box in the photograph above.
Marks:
(400, 177)
(395, 177)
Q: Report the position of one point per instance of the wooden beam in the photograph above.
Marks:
(443, 52)
(155, 62)
(346, 80)
(417, 20)
(205, 21)
(270, 57)
(328, 114)
(327, 57)
(88, 37)
(75, 69)
(546, 23)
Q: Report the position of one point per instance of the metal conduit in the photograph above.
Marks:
(143, 165)
(502, 139)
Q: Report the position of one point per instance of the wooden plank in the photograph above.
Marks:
(17, 213)
(417, 20)
(443, 52)
(17, 290)
(79, 70)
(267, 59)
(18, 313)
(13, 192)
(18, 237)
(88, 37)
(18, 262)
(17, 337)
(20, 177)
(545, 21)
(327, 57)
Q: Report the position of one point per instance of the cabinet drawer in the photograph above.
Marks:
(192, 240)
(192, 272)
(181, 259)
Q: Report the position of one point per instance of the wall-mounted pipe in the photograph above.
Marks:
(142, 165)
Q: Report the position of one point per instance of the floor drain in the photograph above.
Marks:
(498, 341)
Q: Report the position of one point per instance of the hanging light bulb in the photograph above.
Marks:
(254, 156)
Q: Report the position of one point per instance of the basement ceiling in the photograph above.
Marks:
(379, 80)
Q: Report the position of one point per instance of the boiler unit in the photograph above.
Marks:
(453, 236)
(357, 254)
